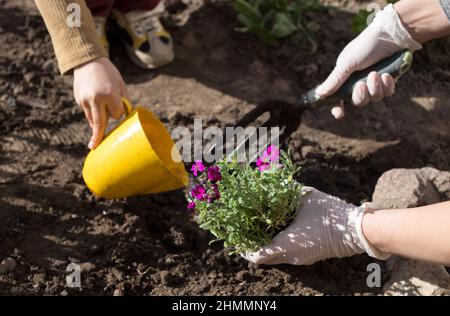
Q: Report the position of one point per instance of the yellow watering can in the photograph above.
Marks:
(135, 158)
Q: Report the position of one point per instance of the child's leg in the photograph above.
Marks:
(147, 42)
(100, 7)
(132, 5)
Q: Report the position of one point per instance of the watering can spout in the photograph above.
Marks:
(135, 158)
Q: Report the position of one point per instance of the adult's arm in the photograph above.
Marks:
(420, 233)
(425, 20)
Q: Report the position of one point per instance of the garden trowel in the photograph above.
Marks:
(287, 116)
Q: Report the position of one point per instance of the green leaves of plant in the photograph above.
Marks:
(282, 25)
(272, 20)
(251, 13)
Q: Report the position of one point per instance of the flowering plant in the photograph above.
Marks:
(246, 206)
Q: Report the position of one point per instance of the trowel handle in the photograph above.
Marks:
(395, 65)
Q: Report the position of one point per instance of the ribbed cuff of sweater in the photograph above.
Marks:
(73, 46)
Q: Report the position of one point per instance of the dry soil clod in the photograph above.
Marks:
(7, 265)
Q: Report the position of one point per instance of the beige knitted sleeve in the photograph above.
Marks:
(73, 46)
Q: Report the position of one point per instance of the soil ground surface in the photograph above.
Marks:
(151, 245)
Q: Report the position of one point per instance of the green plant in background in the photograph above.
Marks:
(360, 20)
(246, 206)
(272, 20)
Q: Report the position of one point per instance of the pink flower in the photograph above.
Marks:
(191, 205)
(269, 159)
(262, 165)
(197, 168)
(270, 149)
(214, 174)
(199, 192)
(271, 154)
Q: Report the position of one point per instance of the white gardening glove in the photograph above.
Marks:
(383, 37)
(324, 227)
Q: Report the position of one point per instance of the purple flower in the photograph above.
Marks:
(191, 205)
(214, 174)
(199, 192)
(197, 168)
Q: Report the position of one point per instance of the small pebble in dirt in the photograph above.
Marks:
(118, 292)
(117, 274)
(7, 265)
(169, 261)
(17, 253)
(87, 266)
(39, 278)
(18, 90)
(30, 77)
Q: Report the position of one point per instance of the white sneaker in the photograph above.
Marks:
(148, 44)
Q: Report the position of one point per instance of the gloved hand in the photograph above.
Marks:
(324, 227)
(383, 37)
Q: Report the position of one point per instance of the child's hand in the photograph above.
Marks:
(98, 88)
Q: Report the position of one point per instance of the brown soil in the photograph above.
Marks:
(49, 218)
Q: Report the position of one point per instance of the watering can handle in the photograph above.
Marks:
(128, 107)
